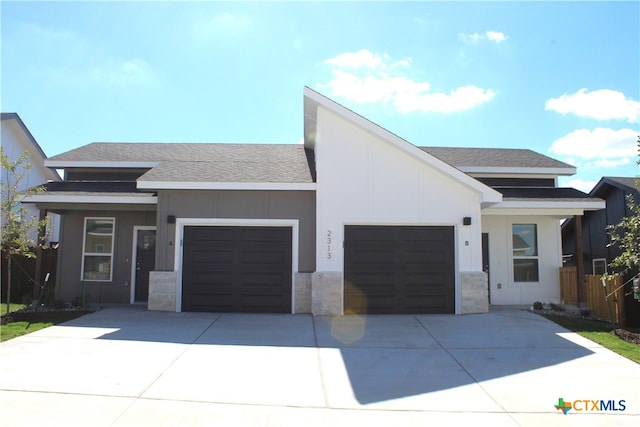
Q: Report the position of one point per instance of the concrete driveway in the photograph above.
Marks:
(125, 366)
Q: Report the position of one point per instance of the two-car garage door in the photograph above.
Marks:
(399, 269)
(237, 269)
(387, 269)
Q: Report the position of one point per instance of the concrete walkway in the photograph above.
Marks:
(125, 366)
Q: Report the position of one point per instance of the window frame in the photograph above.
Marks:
(86, 254)
(593, 264)
(535, 257)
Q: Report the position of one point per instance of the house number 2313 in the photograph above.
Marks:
(328, 244)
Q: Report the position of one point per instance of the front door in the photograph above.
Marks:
(485, 261)
(145, 262)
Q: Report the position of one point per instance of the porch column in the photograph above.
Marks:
(37, 276)
(579, 259)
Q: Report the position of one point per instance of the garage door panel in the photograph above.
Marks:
(210, 257)
(208, 234)
(237, 269)
(264, 234)
(207, 278)
(263, 257)
(361, 233)
(410, 269)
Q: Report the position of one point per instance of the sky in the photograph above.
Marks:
(560, 78)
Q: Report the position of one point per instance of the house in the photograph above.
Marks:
(16, 139)
(355, 220)
(596, 254)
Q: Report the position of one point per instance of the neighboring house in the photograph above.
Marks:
(16, 139)
(356, 220)
(597, 255)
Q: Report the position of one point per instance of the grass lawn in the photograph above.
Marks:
(14, 307)
(598, 332)
(35, 322)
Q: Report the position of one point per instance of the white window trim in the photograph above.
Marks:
(536, 257)
(85, 254)
(593, 264)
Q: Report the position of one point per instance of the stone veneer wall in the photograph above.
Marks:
(474, 290)
(302, 296)
(162, 291)
(326, 293)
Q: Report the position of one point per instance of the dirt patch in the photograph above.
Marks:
(629, 336)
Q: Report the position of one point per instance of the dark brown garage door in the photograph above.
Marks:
(237, 269)
(398, 270)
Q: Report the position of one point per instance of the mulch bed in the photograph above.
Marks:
(45, 315)
(629, 336)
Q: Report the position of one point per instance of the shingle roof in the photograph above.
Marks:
(624, 181)
(542, 193)
(494, 157)
(205, 162)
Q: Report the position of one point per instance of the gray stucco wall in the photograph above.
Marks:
(69, 285)
(298, 205)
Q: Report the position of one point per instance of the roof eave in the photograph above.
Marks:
(605, 180)
(518, 170)
(558, 208)
(191, 185)
(136, 199)
(61, 164)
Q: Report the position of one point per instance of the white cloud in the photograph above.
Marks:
(603, 104)
(366, 77)
(470, 38)
(601, 147)
(366, 59)
(606, 163)
(130, 72)
(494, 36)
(585, 186)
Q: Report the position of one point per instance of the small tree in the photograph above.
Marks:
(17, 223)
(626, 234)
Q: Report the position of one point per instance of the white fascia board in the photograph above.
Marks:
(544, 207)
(61, 164)
(126, 200)
(489, 195)
(517, 171)
(173, 185)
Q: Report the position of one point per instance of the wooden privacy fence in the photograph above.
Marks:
(569, 286)
(23, 270)
(603, 307)
(605, 302)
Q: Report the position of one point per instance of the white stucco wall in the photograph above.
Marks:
(503, 289)
(364, 179)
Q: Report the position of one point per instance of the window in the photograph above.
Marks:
(97, 260)
(525, 252)
(600, 266)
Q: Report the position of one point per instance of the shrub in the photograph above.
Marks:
(537, 305)
(556, 307)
